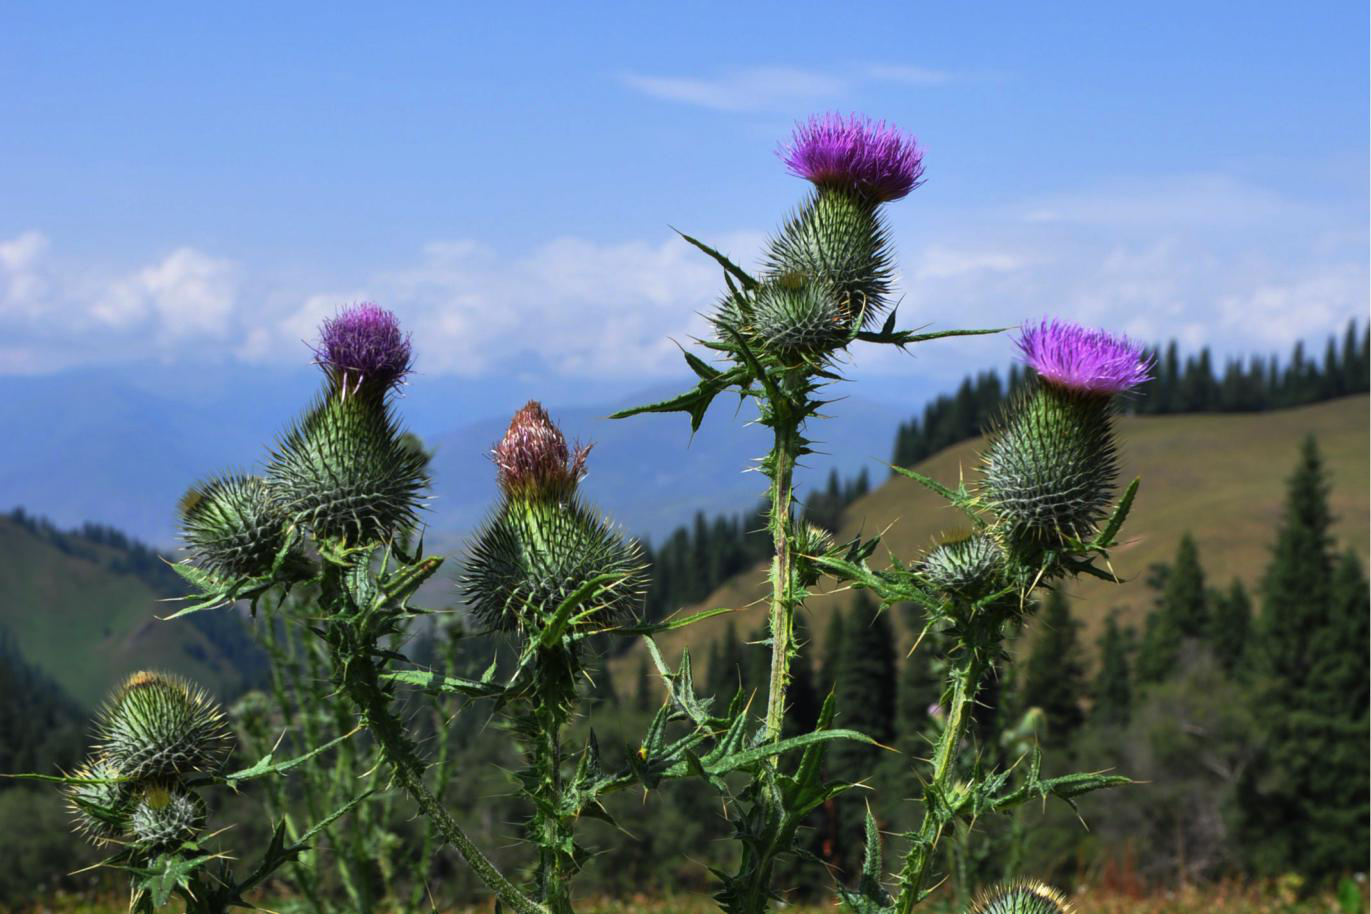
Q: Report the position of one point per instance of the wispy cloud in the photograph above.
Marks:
(778, 88)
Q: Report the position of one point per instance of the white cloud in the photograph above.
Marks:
(22, 277)
(754, 89)
(778, 88)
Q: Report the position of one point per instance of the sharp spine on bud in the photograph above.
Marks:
(232, 526)
(1023, 897)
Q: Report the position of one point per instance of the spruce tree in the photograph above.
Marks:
(1054, 676)
(725, 678)
(920, 687)
(834, 636)
(1113, 689)
(1229, 628)
(1182, 612)
(1309, 656)
(805, 701)
(866, 702)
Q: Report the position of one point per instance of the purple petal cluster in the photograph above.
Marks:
(876, 159)
(533, 458)
(1084, 360)
(364, 344)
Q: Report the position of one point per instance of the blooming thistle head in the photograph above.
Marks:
(1023, 897)
(364, 345)
(877, 160)
(533, 460)
(1083, 360)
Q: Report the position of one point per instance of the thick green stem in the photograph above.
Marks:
(363, 687)
(965, 679)
(555, 866)
(782, 617)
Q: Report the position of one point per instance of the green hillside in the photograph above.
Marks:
(79, 612)
(1219, 476)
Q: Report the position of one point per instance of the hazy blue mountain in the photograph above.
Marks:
(119, 445)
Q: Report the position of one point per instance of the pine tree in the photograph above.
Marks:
(1229, 627)
(1113, 689)
(1054, 676)
(1182, 612)
(1309, 671)
(866, 703)
(803, 714)
(834, 637)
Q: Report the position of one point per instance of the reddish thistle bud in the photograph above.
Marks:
(533, 459)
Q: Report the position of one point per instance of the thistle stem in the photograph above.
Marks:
(964, 679)
(782, 615)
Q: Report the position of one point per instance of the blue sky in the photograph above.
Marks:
(183, 184)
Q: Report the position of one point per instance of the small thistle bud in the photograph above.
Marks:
(801, 320)
(165, 815)
(1024, 897)
(346, 472)
(969, 566)
(231, 525)
(363, 346)
(1051, 465)
(837, 241)
(871, 158)
(161, 726)
(533, 460)
(532, 555)
(100, 810)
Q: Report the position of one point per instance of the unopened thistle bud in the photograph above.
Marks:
(543, 544)
(345, 472)
(165, 815)
(1051, 465)
(533, 460)
(232, 525)
(100, 807)
(1024, 897)
(362, 346)
(801, 320)
(969, 566)
(160, 726)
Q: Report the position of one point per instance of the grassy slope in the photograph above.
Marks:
(87, 626)
(1219, 476)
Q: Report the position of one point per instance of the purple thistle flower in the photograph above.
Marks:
(1084, 360)
(533, 458)
(876, 159)
(364, 343)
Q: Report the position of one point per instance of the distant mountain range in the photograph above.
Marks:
(119, 446)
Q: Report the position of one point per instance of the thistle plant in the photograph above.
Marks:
(160, 741)
(1040, 512)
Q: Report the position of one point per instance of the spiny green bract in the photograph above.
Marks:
(345, 471)
(970, 566)
(100, 810)
(532, 555)
(160, 726)
(1050, 466)
(232, 526)
(166, 815)
(1025, 897)
(839, 241)
(798, 319)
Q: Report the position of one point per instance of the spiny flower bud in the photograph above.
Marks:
(159, 726)
(836, 241)
(969, 566)
(533, 555)
(346, 472)
(1051, 465)
(1023, 897)
(874, 159)
(232, 526)
(533, 460)
(165, 815)
(800, 320)
(364, 345)
(100, 810)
